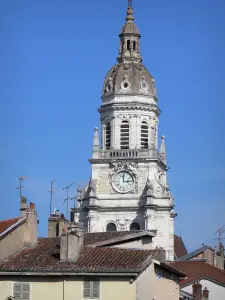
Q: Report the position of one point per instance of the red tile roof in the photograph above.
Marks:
(199, 269)
(179, 247)
(5, 224)
(46, 257)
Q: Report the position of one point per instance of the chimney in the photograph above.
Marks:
(205, 294)
(71, 242)
(197, 291)
(56, 224)
(30, 233)
(23, 206)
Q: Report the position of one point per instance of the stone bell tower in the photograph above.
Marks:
(128, 189)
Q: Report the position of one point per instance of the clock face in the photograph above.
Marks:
(123, 182)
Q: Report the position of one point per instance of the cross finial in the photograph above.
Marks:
(130, 3)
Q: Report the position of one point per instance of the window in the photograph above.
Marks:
(91, 289)
(124, 135)
(162, 272)
(134, 226)
(111, 227)
(21, 291)
(134, 45)
(108, 136)
(158, 271)
(128, 45)
(144, 135)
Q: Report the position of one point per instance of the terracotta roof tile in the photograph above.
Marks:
(5, 224)
(179, 247)
(92, 238)
(198, 269)
(46, 257)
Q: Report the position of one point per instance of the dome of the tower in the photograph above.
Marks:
(129, 27)
(130, 78)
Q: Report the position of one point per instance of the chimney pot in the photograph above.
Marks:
(32, 205)
(197, 291)
(205, 293)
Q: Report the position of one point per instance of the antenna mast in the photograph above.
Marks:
(220, 232)
(51, 193)
(21, 178)
(67, 196)
(130, 3)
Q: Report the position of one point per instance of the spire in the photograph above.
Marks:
(163, 147)
(96, 140)
(130, 16)
(129, 38)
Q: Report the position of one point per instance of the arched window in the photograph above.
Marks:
(144, 135)
(111, 227)
(107, 136)
(128, 45)
(124, 135)
(134, 45)
(134, 226)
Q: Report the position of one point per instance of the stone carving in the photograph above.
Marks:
(92, 185)
(149, 186)
(126, 66)
(143, 85)
(93, 220)
(109, 85)
(122, 222)
(125, 84)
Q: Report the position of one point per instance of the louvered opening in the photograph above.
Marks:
(95, 289)
(21, 291)
(124, 135)
(108, 136)
(91, 289)
(87, 289)
(144, 135)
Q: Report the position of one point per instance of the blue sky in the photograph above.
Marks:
(54, 56)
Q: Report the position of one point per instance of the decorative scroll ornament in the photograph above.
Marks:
(143, 85)
(109, 85)
(125, 84)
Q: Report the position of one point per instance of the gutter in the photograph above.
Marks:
(131, 274)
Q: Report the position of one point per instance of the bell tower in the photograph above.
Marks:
(128, 189)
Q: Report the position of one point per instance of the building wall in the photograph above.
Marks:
(13, 242)
(23, 235)
(46, 288)
(149, 287)
(216, 292)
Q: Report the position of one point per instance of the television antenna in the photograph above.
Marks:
(66, 188)
(21, 179)
(51, 193)
(219, 233)
(130, 3)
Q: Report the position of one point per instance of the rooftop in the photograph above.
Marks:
(197, 270)
(45, 257)
(6, 224)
